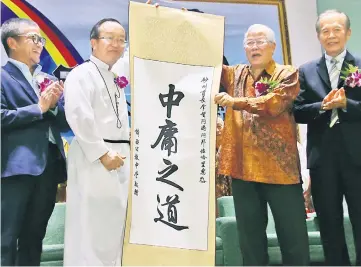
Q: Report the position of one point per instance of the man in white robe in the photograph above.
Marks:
(99, 155)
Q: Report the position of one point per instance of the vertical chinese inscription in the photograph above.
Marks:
(137, 164)
(203, 125)
(168, 142)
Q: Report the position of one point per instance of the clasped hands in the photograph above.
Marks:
(334, 99)
(50, 96)
(112, 160)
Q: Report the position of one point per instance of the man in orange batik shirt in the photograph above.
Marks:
(259, 151)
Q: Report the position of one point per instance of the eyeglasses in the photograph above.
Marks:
(258, 43)
(121, 42)
(36, 38)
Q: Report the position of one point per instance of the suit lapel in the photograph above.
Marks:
(349, 59)
(323, 72)
(17, 75)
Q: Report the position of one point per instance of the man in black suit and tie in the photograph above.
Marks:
(332, 112)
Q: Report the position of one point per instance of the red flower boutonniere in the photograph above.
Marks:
(351, 76)
(265, 86)
(44, 83)
(121, 82)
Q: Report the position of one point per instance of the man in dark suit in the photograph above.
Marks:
(332, 112)
(32, 154)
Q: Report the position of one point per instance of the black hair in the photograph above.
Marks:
(12, 28)
(94, 33)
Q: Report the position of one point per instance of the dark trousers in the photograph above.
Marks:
(337, 177)
(287, 206)
(27, 203)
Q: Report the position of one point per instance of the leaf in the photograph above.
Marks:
(350, 69)
(263, 80)
(273, 85)
(345, 72)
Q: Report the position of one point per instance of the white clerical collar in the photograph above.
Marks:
(99, 63)
(338, 58)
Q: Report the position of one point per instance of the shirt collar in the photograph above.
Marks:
(99, 63)
(270, 68)
(340, 57)
(24, 68)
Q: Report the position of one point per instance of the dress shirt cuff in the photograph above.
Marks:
(54, 111)
(323, 111)
(94, 151)
(41, 112)
(319, 106)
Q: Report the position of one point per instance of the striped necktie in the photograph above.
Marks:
(334, 74)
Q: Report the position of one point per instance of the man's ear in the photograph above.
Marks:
(348, 34)
(12, 43)
(274, 48)
(93, 44)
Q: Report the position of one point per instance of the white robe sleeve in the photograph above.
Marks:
(80, 115)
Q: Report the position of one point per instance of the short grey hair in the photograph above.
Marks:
(270, 34)
(329, 12)
(12, 28)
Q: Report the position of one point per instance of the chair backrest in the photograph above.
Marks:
(56, 226)
(226, 206)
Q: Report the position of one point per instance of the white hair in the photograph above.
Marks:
(331, 12)
(270, 34)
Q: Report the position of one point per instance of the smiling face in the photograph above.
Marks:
(110, 44)
(333, 33)
(259, 50)
(23, 47)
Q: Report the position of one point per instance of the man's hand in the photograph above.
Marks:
(45, 101)
(328, 98)
(50, 96)
(149, 2)
(112, 160)
(335, 99)
(56, 89)
(224, 100)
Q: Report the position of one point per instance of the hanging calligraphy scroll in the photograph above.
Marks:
(175, 72)
(171, 157)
